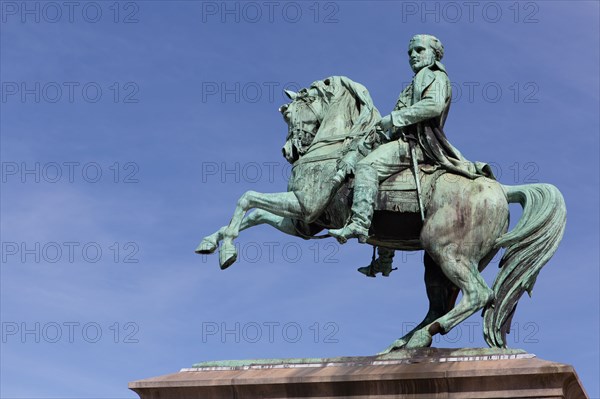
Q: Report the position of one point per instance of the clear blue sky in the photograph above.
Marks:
(123, 144)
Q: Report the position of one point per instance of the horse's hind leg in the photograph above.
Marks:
(461, 269)
(286, 225)
(441, 293)
(465, 219)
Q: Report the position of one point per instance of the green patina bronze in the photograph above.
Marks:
(397, 357)
(355, 173)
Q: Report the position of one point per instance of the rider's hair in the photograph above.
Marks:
(434, 43)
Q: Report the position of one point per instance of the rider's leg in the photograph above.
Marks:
(374, 168)
(365, 194)
(383, 263)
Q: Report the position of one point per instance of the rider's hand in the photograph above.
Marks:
(339, 177)
(385, 123)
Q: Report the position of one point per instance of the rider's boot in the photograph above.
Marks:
(365, 194)
(383, 263)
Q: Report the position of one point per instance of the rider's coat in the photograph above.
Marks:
(421, 111)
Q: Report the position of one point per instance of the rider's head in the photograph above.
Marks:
(423, 51)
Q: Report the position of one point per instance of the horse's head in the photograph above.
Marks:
(303, 117)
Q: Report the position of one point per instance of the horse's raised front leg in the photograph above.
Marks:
(285, 205)
(210, 243)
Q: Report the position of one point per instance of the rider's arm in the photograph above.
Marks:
(403, 101)
(432, 104)
(404, 98)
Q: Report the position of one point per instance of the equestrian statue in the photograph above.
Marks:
(397, 183)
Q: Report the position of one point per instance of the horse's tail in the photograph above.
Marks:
(529, 246)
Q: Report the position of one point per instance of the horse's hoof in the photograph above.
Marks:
(227, 255)
(420, 339)
(206, 247)
(397, 344)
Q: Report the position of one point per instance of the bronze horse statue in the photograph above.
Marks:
(466, 220)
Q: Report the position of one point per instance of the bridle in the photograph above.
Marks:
(302, 138)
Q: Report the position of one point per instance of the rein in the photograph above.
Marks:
(298, 132)
(303, 152)
(331, 155)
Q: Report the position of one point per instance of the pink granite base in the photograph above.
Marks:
(516, 377)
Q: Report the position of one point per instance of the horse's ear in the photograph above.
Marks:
(292, 95)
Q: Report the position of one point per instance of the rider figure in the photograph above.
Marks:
(419, 115)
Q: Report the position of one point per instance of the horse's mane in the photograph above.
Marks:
(350, 111)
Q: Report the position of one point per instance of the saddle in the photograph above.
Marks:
(398, 193)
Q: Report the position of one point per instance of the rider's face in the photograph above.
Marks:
(420, 55)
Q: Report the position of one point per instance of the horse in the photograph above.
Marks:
(466, 220)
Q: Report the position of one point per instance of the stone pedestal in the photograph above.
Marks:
(417, 374)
